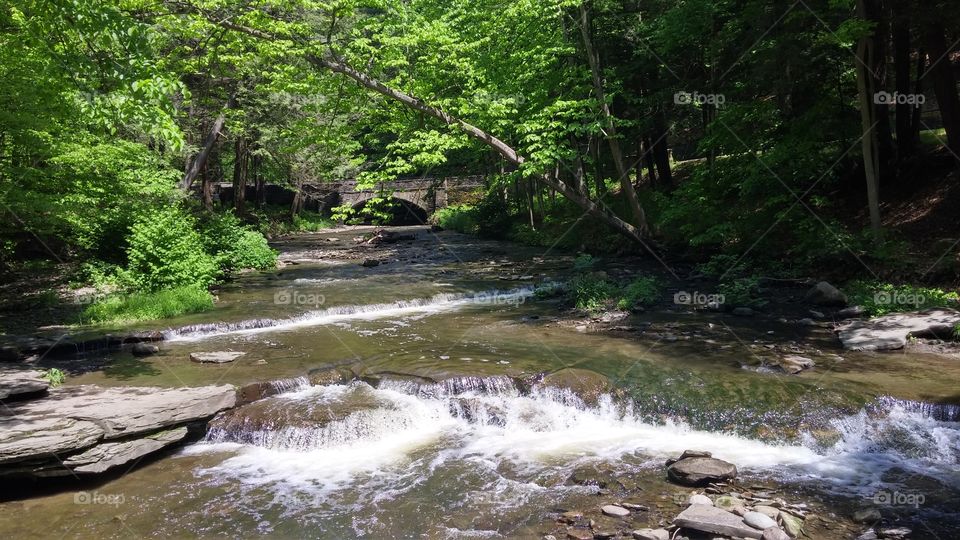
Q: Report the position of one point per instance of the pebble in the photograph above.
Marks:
(758, 520)
(614, 510)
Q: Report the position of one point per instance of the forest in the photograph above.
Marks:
(776, 181)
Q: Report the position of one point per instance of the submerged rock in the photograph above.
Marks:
(144, 349)
(698, 471)
(216, 357)
(587, 385)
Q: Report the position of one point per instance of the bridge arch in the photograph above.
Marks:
(403, 210)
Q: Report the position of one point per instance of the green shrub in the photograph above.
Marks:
(235, 246)
(165, 251)
(54, 376)
(591, 292)
(461, 218)
(882, 298)
(149, 306)
(642, 291)
(523, 233)
(741, 292)
(583, 262)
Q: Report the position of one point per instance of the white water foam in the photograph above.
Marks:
(422, 306)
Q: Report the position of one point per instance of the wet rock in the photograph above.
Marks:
(698, 471)
(774, 533)
(19, 383)
(894, 532)
(758, 520)
(711, 519)
(570, 517)
(328, 376)
(791, 523)
(651, 534)
(743, 312)
(144, 349)
(868, 534)
(768, 511)
(370, 263)
(215, 357)
(614, 510)
(689, 454)
(891, 331)
(588, 385)
(816, 314)
(851, 312)
(699, 499)
(825, 294)
(38, 437)
(579, 534)
(728, 503)
(794, 364)
(105, 456)
(866, 515)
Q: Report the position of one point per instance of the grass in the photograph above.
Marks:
(642, 291)
(461, 218)
(146, 306)
(933, 138)
(882, 298)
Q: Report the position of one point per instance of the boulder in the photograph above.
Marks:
(825, 294)
(586, 384)
(17, 383)
(794, 364)
(215, 357)
(743, 312)
(651, 534)
(144, 349)
(370, 263)
(689, 454)
(891, 331)
(614, 510)
(791, 524)
(758, 520)
(710, 519)
(698, 471)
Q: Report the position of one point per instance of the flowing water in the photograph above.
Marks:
(443, 421)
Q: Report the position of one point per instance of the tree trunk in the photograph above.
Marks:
(240, 175)
(944, 82)
(901, 66)
(623, 175)
(661, 154)
(198, 163)
(865, 88)
(879, 68)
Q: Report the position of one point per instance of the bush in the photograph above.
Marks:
(461, 218)
(742, 292)
(642, 291)
(882, 298)
(523, 233)
(54, 376)
(591, 292)
(165, 251)
(149, 306)
(235, 246)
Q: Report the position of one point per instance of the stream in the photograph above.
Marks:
(443, 419)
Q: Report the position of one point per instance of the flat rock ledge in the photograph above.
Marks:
(20, 384)
(891, 332)
(77, 430)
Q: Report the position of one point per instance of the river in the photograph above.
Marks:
(440, 423)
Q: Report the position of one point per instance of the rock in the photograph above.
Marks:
(144, 349)
(791, 523)
(817, 314)
(774, 533)
(614, 510)
(758, 520)
(699, 499)
(825, 294)
(329, 375)
(851, 312)
(894, 532)
(868, 534)
(19, 383)
(728, 503)
(586, 384)
(370, 263)
(768, 511)
(891, 331)
(570, 517)
(711, 519)
(635, 507)
(866, 515)
(742, 312)
(689, 454)
(807, 322)
(105, 456)
(37, 436)
(216, 357)
(697, 471)
(651, 534)
(793, 363)
(579, 534)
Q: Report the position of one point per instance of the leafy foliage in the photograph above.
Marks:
(165, 250)
(146, 306)
(235, 246)
(642, 291)
(879, 298)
